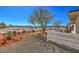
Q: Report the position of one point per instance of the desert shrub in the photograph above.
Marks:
(14, 33)
(18, 33)
(33, 30)
(23, 31)
(40, 30)
(61, 30)
(8, 34)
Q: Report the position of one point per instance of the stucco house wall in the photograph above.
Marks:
(74, 18)
(77, 24)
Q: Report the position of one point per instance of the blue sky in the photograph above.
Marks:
(18, 15)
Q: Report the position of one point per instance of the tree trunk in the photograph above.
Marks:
(43, 29)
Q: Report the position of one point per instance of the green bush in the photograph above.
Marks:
(8, 34)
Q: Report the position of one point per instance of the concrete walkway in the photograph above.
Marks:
(66, 40)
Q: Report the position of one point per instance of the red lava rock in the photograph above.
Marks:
(8, 38)
(2, 40)
(18, 33)
(16, 38)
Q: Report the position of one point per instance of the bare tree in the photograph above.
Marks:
(57, 24)
(41, 17)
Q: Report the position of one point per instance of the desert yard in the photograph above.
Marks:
(37, 42)
(33, 43)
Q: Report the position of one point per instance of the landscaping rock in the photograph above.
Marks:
(2, 40)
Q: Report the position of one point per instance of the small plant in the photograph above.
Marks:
(8, 34)
(14, 33)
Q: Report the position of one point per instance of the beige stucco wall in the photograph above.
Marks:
(77, 24)
(75, 16)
